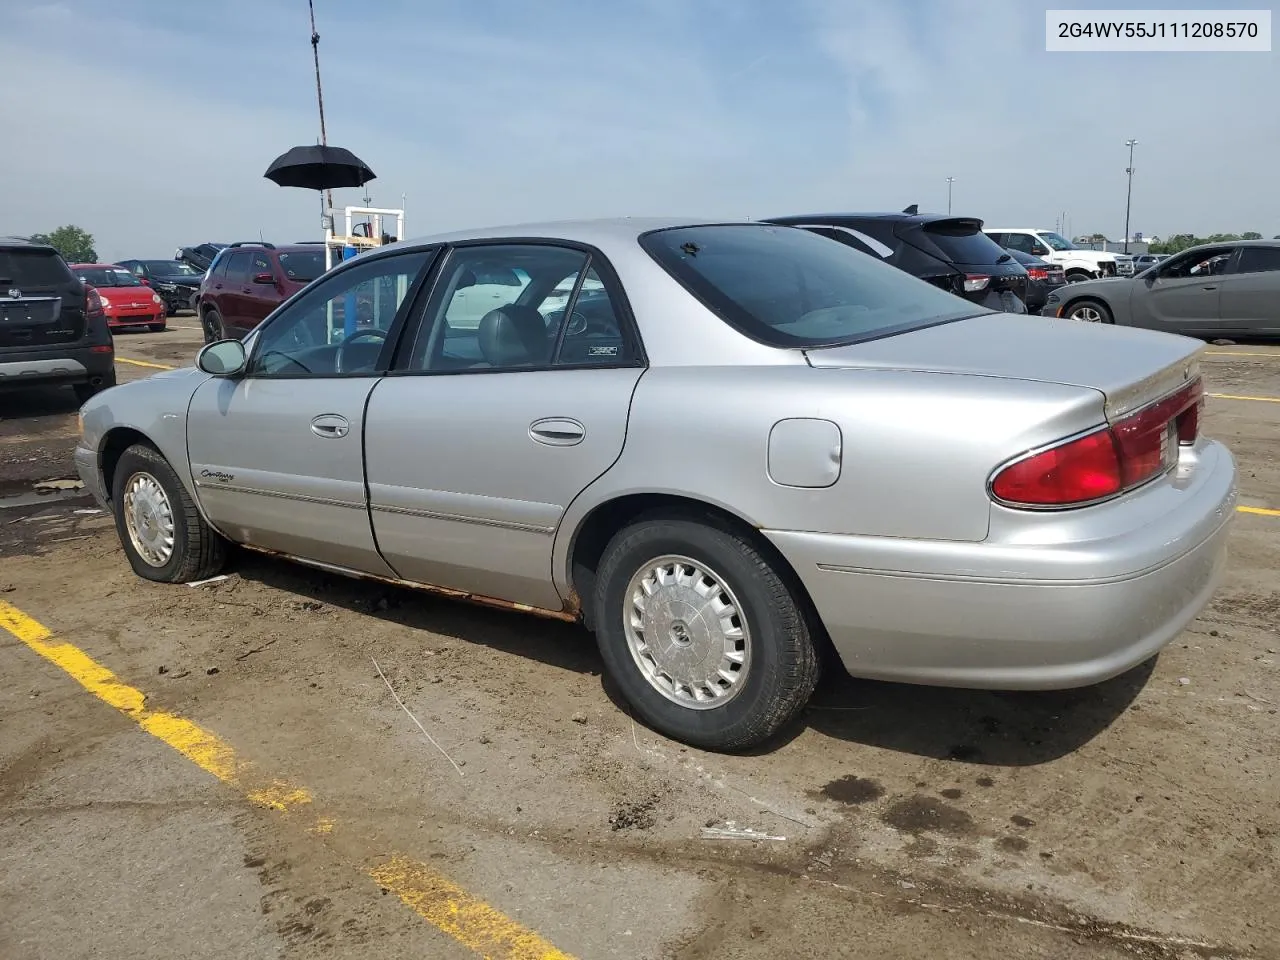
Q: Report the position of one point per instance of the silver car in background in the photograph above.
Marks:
(1211, 291)
(723, 447)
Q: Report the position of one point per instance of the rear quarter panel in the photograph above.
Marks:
(916, 449)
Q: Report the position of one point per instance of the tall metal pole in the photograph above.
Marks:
(315, 52)
(1129, 195)
(950, 181)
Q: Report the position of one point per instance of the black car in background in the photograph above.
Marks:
(200, 255)
(1043, 278)
(53, 329)
(175, 281)
(950, 252)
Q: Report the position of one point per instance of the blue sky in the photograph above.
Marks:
(150, 122)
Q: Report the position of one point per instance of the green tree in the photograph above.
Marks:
(1251, 235)
(74, 243)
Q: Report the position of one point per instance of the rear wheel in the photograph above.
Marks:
(214, 329)
(1089, 311)
(162, 532)
(708, 643)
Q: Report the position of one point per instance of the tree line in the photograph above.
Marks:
(74, 243)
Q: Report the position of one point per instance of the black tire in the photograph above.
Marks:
(198, 552)
(214, 328)
(157, 327)
(1078, 310)
(86, 391)
(783, 665)
(1078, 276)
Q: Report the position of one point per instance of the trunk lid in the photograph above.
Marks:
(1130, 367)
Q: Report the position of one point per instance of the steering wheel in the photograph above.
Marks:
(379, 335)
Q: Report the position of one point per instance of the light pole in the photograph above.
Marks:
(1128, 199)
(950, 181)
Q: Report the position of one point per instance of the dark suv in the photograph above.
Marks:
(950, 252)
(246, 281)
(174, 280)
(52, 327)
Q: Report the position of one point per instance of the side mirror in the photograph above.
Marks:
(263, 278)
(225, 358)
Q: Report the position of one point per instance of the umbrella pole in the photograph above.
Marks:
(315, 52)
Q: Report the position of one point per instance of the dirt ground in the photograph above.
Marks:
(1137, 818)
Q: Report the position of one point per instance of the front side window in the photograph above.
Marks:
(1055, 241)
(1199, 263)
(519, 306)
(1022, 242)
(340, 326)
(792, 288)
(238, 268)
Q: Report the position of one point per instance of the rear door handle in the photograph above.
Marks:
(557, 431)
(330, 426)
(1212, 286)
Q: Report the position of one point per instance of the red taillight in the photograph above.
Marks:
(92, 303)
(974, 282)
(1130, 452)
(1037, 273)
(103, 348)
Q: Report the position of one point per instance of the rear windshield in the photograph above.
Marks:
(107, 277)
(304, 266)
(32, 268)
(963, 241)
(792, 288)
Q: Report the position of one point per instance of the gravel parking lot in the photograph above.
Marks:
(1137, 818)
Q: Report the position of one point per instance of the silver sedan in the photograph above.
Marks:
(723, 447)
(1214, 290)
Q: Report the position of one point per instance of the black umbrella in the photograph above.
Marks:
(319, 168)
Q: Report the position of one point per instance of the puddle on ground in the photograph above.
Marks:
(36, 498)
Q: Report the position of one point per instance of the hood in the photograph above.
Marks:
(120, 295)
(1128, 365)
(185, 279)
(1095, 256)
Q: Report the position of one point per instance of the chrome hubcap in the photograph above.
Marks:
(686, 632)
(1086, 314)
(148, 518)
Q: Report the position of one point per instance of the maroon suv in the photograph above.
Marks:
(246, 281)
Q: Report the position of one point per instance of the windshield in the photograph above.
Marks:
(107, 277)
(302, 267)
(1057, 242)
(792, 288)
(170, 268)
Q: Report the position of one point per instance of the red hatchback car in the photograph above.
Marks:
(126, 300)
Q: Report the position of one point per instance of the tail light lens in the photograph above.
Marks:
(92, 304)
(1037, 273)
(1109, 461)
(974, 282)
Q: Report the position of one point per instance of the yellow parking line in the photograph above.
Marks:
(145, 363)
(1236, 396)
(434, 897)
(1260, 511)
(1241, 353)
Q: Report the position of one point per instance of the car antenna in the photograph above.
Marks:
(912, 210)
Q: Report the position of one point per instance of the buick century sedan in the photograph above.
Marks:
(728, 449)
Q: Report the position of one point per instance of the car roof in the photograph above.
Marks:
(104, 266)
(837, 218)
(1018, 230)
(591, 232)
(23, 243)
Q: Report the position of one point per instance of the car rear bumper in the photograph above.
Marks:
(53, 364)
(1002, 616)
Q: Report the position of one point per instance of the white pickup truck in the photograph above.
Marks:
(1078, 263)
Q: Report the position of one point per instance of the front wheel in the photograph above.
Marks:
(156, 327)
(708, 643)
(1089, 311)
(162, 532)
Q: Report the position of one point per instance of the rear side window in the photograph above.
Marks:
(33, 268)
(793, 288)
(962, 241)
(1259, 260)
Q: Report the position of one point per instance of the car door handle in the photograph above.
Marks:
(330, 426)
(1211, 286)
(557, 431)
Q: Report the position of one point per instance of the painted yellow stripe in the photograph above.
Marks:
(1241, 353)
(1236, 396)
(434, 897)
(145, 363)
(1260, 511)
